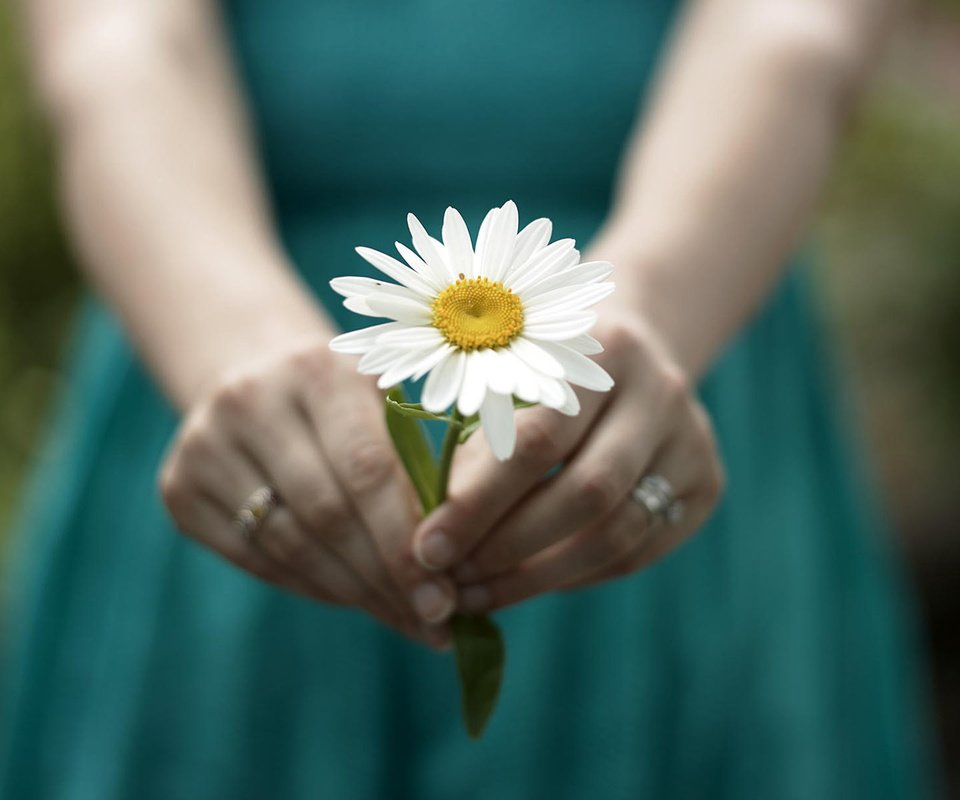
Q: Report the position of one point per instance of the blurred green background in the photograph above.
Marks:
(889, 240)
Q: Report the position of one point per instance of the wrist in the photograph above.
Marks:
(252, 321)
(648, 293)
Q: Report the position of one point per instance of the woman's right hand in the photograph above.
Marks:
(307, 425)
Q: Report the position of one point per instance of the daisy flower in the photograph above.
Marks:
(506, 318)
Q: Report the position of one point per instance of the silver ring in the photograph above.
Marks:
(655, 494)
(255, 509)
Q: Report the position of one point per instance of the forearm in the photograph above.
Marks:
(716, 191)
(164, 201)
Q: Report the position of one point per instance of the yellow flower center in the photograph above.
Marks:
(477, 312)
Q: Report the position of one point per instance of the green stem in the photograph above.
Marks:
(450, 441)
(477, 641)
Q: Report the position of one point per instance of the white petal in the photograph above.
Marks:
(360, 341)
(496, 416)
(421, 267)
(378, 360)
(402, 309)
(555, 257)
(565, 327)
(429, 362)
(571, 406)
(358, 305)
(569, 298)
(549, 315)
(536, 357)
(409, 364)
(474, 385)
(428, 251)
(443, 383)
(456, 238)
(351, 286)
(498, 253)
(584, 343)
(399, 272)
(444, 255)
(532, 238)
(394, 290)
(589, 272)
(525, 379)
(397, 368)
(551, 392)
(579, 369)
(483, 238)
(406, 336)
(501, 373)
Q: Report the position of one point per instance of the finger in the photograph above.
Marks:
(287, 450)
(352, 432)
(282, 538)
(202, 519)
(211, 480)
(600, 475)
(305, 567)
(587, 552)
(694, 470)
(483, 489)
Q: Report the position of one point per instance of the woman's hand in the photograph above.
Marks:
(508, 531)
(313, 430)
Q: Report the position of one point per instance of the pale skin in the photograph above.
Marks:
(168, 211)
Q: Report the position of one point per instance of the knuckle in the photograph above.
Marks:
(676, 385)
(334, 581)
(404, 570)
(313, 371)
(467, 505)
(716, 484)
(238, 393)
(538, 441)
(326, 516)
(619, 338)
(704, 427)
(292, 550)
(500, 552)
(197, 441)
(368, 466)
(598, 491)
(311, 360)
(173, 490)
(617, 540)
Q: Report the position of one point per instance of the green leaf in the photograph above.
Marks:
(415, 410)
(411, 445)
(480, 657)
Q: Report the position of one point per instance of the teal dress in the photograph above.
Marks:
(771, 657)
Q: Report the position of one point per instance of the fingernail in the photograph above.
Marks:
(434, 550)
(475, 598)
(466, 572)
(437, 637)
(431, 602)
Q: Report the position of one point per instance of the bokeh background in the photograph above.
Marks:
(888, 236)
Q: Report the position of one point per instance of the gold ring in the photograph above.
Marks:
(255, 509)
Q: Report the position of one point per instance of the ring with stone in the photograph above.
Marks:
(655, 494)
(255, 509)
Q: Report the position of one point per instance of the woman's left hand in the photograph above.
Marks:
(509, 531)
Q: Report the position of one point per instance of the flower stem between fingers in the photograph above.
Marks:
(450, 441)
(477, 640)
